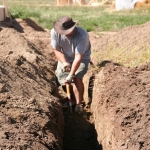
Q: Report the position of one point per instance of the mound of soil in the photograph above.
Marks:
(30, 113)
(117, 99)
(129, 38)
(120, 96)
(121, 107)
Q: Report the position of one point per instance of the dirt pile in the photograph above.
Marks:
(129, 38)
(31, 116)
(120, 96)
(121, 107)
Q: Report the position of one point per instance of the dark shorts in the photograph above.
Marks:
(81, 71)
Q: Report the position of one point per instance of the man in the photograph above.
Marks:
(72, 48)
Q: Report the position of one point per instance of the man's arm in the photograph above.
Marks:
(56, 47)
(76, 63)
(60, 56)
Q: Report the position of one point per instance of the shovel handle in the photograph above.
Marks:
(69, 95)
(68, 88)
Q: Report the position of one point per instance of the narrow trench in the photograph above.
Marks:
(79, 133)
(79, 130)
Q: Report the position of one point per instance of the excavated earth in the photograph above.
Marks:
(116, 101)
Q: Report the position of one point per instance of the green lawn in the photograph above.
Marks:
(100, 18)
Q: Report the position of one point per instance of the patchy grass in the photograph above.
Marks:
(123, 56)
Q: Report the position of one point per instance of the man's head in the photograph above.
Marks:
(65, 25)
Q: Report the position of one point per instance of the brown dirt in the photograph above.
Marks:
(121, 107)
(29, 109)
(117, 99)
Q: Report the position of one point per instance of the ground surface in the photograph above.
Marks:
(30, 104)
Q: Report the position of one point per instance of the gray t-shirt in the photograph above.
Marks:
(78, 43)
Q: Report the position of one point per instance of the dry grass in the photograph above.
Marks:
(131, 58)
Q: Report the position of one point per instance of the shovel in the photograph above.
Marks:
(69, 96)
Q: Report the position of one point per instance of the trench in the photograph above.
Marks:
(79, 133)
(79, 130)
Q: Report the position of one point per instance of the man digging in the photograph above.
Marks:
(72, 49)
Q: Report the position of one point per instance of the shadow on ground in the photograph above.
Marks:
(79, 133)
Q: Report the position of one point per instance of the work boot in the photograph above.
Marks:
(78, 108)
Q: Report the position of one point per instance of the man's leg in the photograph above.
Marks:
(78, 89)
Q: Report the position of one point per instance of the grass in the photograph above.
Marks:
(102, 21)
(98, 19)
(95, 19)
(122, 56)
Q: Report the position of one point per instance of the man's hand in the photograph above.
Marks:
(66, 67)
(69, 78)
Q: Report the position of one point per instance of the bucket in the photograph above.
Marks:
(2, 13)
